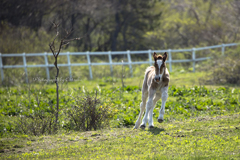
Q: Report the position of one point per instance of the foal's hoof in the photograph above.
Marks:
(135, 127)
(151, 127)
(160, 120)
(142, 126)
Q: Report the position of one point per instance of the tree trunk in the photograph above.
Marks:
(56, 81)
(115, 34)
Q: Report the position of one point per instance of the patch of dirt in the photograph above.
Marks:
(95, 135)
(17, 146)
(4, 150)
(180, 136)
(217, 117)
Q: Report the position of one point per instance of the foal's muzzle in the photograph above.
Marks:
(157, 79)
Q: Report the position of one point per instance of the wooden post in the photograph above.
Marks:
(25, 66)
(193, 58)
(47, 68)
(130, 62)
(1, 67)
(110, 61)
(223, 49)
(170, 59)
(89, 65)
(150, 56)
(69, 67)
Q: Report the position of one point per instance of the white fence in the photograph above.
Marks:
(110, 63)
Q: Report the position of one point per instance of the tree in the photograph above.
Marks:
(128, 24)
(55, 51)
(186, 23)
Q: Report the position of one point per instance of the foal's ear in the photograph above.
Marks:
(164, 56)
(155, 56)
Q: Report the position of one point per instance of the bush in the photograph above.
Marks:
(88, 114)
(225, 71)
(36, 124)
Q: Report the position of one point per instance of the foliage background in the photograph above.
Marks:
(106, 25)
(200, 122)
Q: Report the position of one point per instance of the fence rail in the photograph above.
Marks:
(110, 63)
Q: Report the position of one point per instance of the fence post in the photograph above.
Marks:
(1, 66)
(130, 62)
(150, 56)
(110, 61)
(223, 49)
(25, 66)
(47, 68)
(89, 65)
(193, 58)
(69, 67)
(170, 59)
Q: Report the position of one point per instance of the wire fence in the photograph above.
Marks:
(170, 61)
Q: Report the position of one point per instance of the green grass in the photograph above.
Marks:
(188, 79)
(215, 137)
(200, 122)
(179, 79)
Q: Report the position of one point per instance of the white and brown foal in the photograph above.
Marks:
(155, 86)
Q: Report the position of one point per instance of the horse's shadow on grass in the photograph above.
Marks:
(156, 130)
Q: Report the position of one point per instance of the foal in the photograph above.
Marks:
(155, 86)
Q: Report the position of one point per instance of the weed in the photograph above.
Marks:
(88, 114)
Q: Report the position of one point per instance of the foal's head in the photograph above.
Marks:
(159, 65)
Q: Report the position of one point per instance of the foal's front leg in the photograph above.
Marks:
(164, 99)
(149, 106)
(155, 99)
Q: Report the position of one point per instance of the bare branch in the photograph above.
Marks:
(51, 45)
(69, 40)
(195, 15)
(67, 33)
(60, 47)
(65, 44)
(64, 41)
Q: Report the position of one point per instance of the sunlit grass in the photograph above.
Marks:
(201, 122)
(214, 137)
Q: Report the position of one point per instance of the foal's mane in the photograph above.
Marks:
(159, 57)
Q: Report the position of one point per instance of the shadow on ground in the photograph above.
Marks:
(156, 130)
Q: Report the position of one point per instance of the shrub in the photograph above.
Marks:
(88, 114)
(225, 71)
(36, 124)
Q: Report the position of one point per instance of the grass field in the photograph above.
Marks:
(215, 137)
(201, 122)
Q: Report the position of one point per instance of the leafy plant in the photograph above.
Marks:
(88, 114)
(36, 124)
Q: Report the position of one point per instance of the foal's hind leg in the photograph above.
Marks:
(142, 108)
(149, 106)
